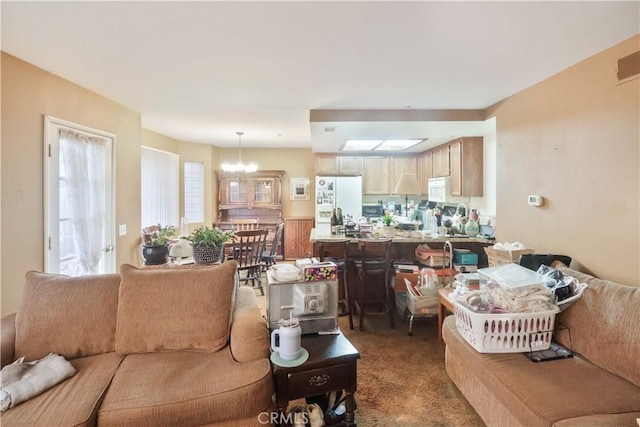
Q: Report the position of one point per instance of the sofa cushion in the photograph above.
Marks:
(175, 309)
(539, 394)
(186, 388)
(73, 402)
(612, 313)
(56, 310)
(250, 338)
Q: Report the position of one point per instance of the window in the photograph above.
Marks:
(160, 194)
(194, 192)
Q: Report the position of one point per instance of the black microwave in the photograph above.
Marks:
(372, 210)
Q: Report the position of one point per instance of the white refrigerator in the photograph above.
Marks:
(344, 192)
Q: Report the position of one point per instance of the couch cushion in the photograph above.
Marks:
(604, 325)
(250, 338)
(73, 402)
(56, 311)
(537, 394)
(175, 309)
(185, 388)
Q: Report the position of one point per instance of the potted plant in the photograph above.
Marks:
(388, 230)
(207, 244)
(155, 243)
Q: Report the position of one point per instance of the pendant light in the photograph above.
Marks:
(239, 167)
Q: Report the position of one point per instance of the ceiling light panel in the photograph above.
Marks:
(397, 144)
(360, 144)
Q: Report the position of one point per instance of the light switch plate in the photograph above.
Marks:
(122, 230)
(535, 200)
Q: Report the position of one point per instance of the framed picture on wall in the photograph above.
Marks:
(299, 188)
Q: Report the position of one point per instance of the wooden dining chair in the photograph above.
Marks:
(270, 253)
(245, 224)
(246, 249)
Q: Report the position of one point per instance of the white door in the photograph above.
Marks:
(79, 204)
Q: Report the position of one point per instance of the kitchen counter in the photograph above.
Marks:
(403, 248)
(453, 239)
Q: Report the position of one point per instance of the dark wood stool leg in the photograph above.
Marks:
(390, 300)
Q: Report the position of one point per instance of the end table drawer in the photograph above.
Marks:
(317, 381)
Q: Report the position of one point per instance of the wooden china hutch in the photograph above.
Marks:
(250, 195)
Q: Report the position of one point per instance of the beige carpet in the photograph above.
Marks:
(401, 379)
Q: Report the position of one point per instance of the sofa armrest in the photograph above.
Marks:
(250, 339)
(8, 339)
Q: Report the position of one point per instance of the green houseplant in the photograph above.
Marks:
(388, 230)
(387, 219)
(207, 244)
(155, 243)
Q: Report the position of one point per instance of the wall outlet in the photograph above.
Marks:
(122, 230)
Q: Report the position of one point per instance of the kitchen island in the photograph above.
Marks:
(403, 248)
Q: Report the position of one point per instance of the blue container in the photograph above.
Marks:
(465, 257)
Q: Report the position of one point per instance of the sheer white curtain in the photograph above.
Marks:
(160, 187)
(84, 157)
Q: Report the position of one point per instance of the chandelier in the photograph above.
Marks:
(239, 167)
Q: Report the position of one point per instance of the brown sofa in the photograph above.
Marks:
(599, 386)
(152, 347)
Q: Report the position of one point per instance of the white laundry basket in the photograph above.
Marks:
(505, 333)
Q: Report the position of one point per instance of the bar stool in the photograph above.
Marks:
(374, 267)
(336, 250)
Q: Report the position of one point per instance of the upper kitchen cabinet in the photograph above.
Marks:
(377, 175)
(425, 170)
(440, 161)
(466, 167)
(261, 189)
(331, 164)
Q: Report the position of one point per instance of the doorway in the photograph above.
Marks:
(79, 203)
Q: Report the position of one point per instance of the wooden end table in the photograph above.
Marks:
(444, 303)
(331, 367)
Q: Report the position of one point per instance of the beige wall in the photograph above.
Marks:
(574, 139)
(28, 94)
(190, 152)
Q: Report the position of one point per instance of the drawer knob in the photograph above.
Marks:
(319, 380)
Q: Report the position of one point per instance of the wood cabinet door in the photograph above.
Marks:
(377, 175)
(263, 191)
(296, 238)
(455, 157)
(326, 164)
(472, 167)
(466, 161)
(350, 165)
(441, 161)
(237, 192)
(425, 170)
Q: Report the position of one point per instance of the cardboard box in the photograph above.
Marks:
(459, 268)
(319, 271)
(400, 285)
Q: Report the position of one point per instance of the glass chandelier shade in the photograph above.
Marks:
(239, 167)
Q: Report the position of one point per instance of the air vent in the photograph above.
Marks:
(629, 66)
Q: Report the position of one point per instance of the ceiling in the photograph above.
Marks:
(311, 74)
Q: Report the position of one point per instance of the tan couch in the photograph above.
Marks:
(152, 347)
(600, 386)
